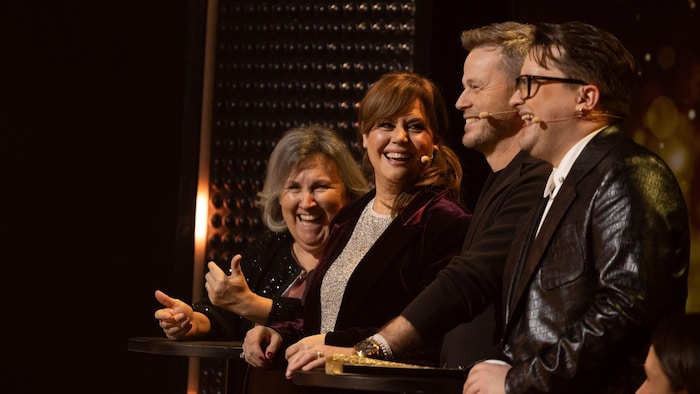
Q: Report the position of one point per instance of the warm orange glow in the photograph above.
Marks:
(200, 239)
(202, 204)
(193, 376)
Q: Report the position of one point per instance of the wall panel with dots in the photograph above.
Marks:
(278, 65)
(281, 65)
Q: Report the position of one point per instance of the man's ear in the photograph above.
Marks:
(588, 98)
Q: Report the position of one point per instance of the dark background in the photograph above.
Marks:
(99, 106)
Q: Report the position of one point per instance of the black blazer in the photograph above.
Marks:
(610, 259)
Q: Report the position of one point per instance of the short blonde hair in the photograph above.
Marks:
(292, 150)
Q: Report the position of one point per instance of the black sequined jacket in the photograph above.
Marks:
(269, 269)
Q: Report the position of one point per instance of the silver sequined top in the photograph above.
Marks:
(368, 229)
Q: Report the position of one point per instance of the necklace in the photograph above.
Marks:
(296, 289)
(300, 263)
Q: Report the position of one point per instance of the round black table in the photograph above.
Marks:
(205, 349)
(225, 350)
(380, 382)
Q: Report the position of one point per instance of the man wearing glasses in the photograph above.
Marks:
(601, 259)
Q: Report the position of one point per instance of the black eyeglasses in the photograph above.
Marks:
(525, 84)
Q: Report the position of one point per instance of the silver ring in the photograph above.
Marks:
(319, 354)
(242, 355)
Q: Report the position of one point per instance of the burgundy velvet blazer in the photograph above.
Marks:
(418, 243)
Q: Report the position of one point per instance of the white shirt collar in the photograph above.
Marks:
(556, 178)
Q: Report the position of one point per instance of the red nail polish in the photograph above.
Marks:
(261, 358)
(269, 354)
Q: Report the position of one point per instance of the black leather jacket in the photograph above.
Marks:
(610, 259)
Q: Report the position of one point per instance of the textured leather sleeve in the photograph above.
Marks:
(611, 270)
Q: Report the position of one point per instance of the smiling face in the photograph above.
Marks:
(487, 87)
(395, 147)
(311, 197)
(551, 120)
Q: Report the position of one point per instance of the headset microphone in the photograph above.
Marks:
(484, 115)
(537, 119)
(425, 158)
(590, 116)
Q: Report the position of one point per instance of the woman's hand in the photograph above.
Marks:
(305, 343)
(231, 292)
(260, 346)
(176, 318)
(309, 353)
(227, 291)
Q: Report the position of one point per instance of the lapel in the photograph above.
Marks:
(589, 158)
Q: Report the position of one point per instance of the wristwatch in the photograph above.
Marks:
(372, 348)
